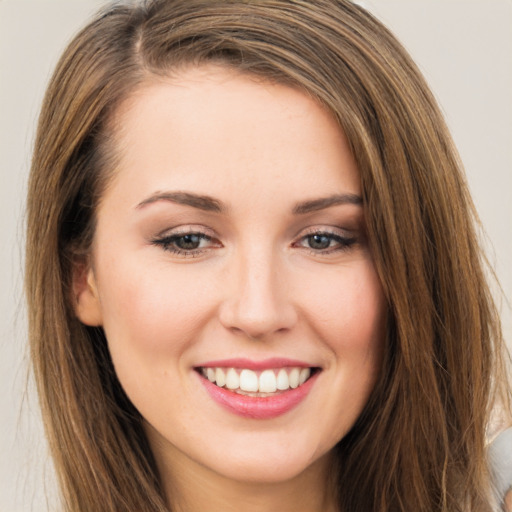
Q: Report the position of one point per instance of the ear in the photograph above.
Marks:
(86, 301)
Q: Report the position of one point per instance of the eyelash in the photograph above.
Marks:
(343, 243)
(168, 243)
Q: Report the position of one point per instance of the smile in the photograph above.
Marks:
(257, 383)
(263, 390)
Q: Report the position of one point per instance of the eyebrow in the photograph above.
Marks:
(201, 202)
(210, 204)
(326, 202)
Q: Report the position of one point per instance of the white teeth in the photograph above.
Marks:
(268, 381)
(294, 378)
(220, 377)
(232, 379)
(304, 375)
(282, 380)
(248, 381)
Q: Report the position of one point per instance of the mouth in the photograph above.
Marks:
(258, 390)
(258, 383)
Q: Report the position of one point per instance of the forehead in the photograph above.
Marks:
(220, 132)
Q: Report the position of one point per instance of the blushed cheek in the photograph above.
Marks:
(350, 308)
(154, 314)
(147, 329)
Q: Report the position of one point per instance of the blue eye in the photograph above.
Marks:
(191, 244)
(319, 241)
(185, 244)
(188, 242)
(326, 243)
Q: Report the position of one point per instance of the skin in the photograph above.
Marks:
(508, 501)
(254, 288)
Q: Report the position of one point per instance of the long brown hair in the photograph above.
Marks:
(420, 442)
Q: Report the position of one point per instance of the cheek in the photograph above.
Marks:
(349, 308)
(349, 316)
(152, 317)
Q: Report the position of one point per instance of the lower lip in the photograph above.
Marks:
(256, 407)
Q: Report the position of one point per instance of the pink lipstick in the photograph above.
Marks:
(258, 389)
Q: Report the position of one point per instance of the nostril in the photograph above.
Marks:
(257, 324)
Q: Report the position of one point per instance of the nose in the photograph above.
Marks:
(257, 300)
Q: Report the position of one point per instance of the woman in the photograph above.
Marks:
(252, 270)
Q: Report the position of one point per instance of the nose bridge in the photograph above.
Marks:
(257, 303)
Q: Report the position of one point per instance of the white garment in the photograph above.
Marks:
(500, 460)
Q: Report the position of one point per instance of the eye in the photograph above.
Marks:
(319, 241)
(323, 242)
(188, 243)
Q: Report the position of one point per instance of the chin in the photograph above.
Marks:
(268, 459)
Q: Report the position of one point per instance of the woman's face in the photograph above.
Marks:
(230, 252)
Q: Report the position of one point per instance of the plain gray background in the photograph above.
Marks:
(462, 46)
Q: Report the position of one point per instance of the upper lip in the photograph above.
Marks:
(250, 364)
